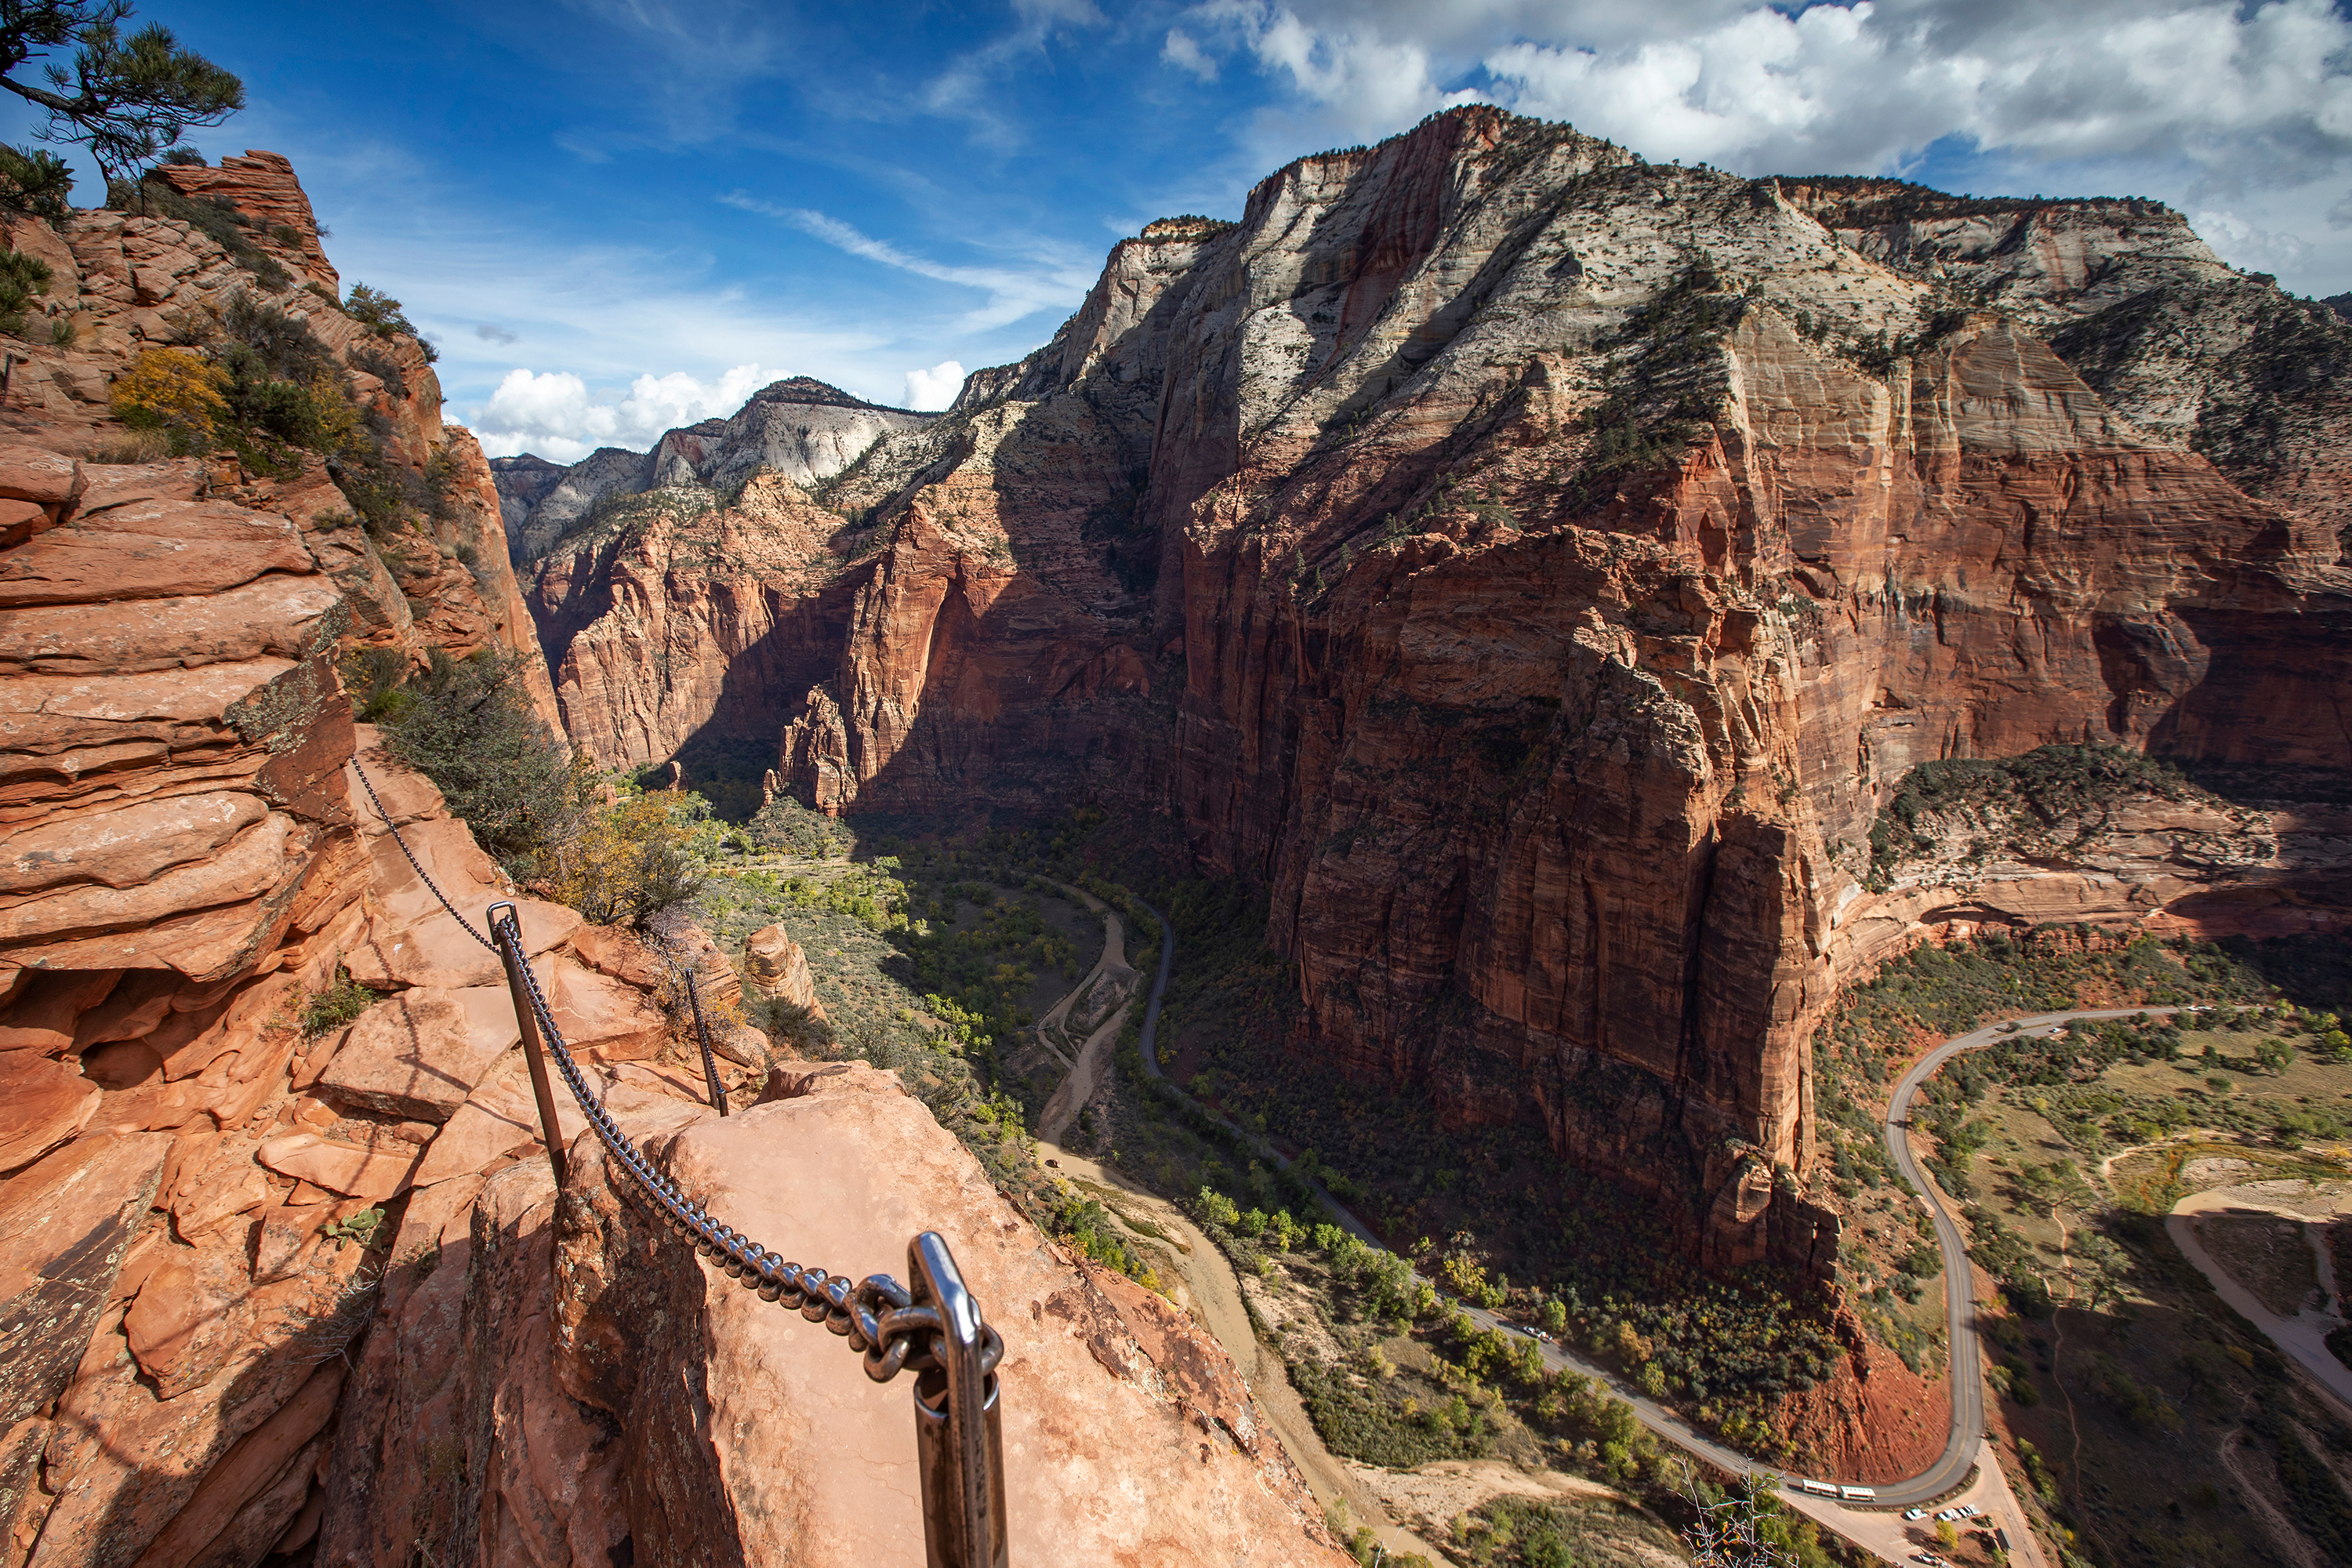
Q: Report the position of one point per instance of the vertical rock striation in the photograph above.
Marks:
(1536, 566)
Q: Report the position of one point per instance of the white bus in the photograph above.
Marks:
(1859, 1494)
(1819, 1489)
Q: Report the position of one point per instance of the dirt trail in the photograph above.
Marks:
(2304, 1337)
(1216, 1300)
(1086, 1072)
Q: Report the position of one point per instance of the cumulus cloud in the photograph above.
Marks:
(1182, 52)
(2201, 102)
(2243, 94)
(491, 333)
(554, 414)
(936, 387)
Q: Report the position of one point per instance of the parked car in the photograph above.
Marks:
(1914, 1514)
(1951, 1513)
(1969, 1510)
(1928, 1560)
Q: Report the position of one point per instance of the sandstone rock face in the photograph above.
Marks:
(800, 429)
(181, 868)
(2197, 355)
(674, 619)
(263, 186)
(1539, 567)
(778, 968)
(696, 1424)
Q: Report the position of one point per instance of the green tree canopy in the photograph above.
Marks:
(130, 97)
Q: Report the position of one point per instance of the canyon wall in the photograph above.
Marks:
(276, 1279)
(1538, 566)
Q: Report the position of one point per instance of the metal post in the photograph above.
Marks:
(506, 929)
(703, 1033)
(959, 1435)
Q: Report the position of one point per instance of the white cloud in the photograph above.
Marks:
(1365, 81)
(553, 413)
(2239, 94)
(2208, 104)
(1051, 283)
(1182, 52)
(936, 387)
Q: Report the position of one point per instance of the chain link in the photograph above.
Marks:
(877, 1315)
(702, 1032)
(430, 885)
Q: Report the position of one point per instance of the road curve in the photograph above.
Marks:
(1960, 1449)
(1959, 1287)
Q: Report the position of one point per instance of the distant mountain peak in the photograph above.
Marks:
(808, 389)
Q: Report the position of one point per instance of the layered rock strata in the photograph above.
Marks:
(262, 187)
(1537, 567)
(2198, 355)
(673, 618)
(180, 869)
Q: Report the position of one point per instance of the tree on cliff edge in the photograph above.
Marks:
(131, 98)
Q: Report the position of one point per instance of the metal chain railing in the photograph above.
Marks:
(932, 1327)
(702, 1032)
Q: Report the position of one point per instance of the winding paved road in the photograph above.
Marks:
(1959, 1285)
(1962, 1450)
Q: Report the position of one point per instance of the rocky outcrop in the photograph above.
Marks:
(776, 968)
(181, 871)
(2186, 863)
(262, 186)
(673, 619)
(799, 429)
(1537, 567)
(687, 1421)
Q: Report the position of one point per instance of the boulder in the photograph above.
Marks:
(604, 1018)
(777, 968)
(421, 1053)
(353, 1170)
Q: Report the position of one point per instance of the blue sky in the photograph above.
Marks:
(614, 215)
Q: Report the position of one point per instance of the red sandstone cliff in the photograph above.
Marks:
(1538, 566)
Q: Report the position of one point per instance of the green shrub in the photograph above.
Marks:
(34, 183)
(21, 278)
(378, 312)
(469, 727)
(337, 1006)
(785, 826)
